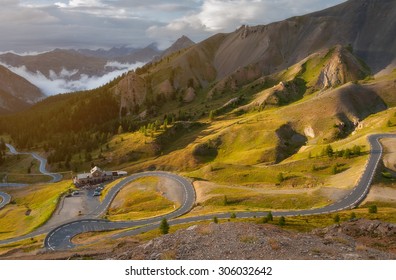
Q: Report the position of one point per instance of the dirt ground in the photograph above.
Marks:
(203, 191)
(380, 192)
(389, 153)
(171, 190)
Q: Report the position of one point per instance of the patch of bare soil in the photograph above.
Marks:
(381, 193)
(389, 157)
(171, 190)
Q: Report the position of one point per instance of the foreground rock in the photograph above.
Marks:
(359, 239)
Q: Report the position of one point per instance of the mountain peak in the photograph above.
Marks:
(182, 43)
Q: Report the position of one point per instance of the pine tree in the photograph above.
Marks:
(282, 221)
(225, 201)
(166, 124)
(357, 150)
(280, 177)
(347, 153)
(329, 151)
(373, 209)
(335, 169)
(211, 115)
(120, 130)
(164, 226)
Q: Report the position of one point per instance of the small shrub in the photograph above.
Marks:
(280, 177)
(337, 218)
(373, 209)
(282, 221)
(164, 226)
(225, 202)
(269, 216)
(215, 220)
(233, 216)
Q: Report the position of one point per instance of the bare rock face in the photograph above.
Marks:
(190, 95)
(166, 88)
(309, 132)
(132, 90)
(343, 67)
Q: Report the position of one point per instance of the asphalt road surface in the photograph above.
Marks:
(5, 199)
(60, 238)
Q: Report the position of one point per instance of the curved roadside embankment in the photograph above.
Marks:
(5, 199)
(60, 237)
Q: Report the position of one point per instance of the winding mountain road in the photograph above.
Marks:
(43, 163)
(60, 238)
(6, 198)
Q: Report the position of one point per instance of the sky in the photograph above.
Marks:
(42, 25)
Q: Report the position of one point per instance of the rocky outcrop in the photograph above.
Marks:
(132, 91)
(341, 68)
(252, 241)
(190, 95)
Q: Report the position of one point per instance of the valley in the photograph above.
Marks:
(281, 118)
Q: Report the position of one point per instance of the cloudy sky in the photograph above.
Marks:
(40, 25)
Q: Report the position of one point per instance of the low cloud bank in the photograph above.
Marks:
(62, 82)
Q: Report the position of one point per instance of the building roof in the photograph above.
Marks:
(93, 170)
(83, 176)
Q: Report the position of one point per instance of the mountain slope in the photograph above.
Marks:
(264, 50)
(309, 83)
(16, 93)
(366, 26)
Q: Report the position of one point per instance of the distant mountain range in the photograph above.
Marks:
(124, 54)
(362, 28)
(70, 65)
